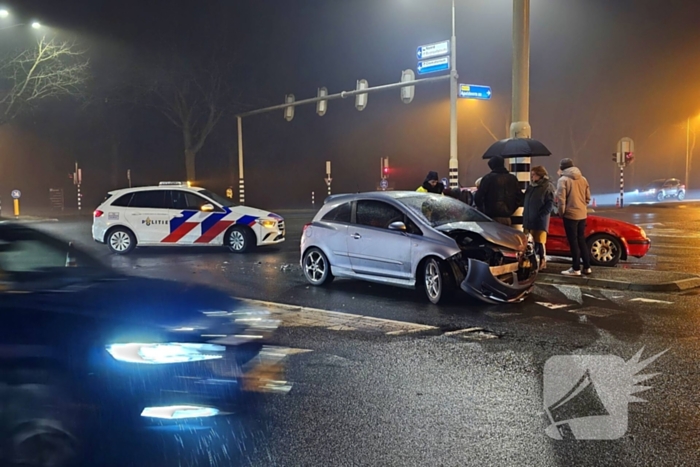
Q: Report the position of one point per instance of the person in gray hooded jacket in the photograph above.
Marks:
(573, 196)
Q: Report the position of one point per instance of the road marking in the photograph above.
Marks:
(572, 292)
(553, 306)
(650, 300)
(299, 316)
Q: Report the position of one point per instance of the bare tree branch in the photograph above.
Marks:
(51, 69)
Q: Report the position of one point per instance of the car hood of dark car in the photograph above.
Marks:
(493, 232)
(136, 300)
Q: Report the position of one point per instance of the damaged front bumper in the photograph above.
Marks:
(509, 283)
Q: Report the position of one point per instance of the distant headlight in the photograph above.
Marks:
(156, 354)
(267, 223)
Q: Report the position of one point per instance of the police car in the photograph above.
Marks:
(177, 214)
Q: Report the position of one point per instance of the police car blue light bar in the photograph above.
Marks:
(163, 353)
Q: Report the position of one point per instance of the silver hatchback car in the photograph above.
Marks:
(422, 240)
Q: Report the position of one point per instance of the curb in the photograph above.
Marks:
(675, 286)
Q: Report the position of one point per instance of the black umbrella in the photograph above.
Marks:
(517, 147)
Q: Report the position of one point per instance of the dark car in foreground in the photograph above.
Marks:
(85, 350)
(432, 242)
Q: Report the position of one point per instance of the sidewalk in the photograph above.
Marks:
(638, 280)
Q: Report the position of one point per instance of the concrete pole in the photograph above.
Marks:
(454, 162)
(241, 178)
(520, 126)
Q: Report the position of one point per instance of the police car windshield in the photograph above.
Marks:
(219, 199)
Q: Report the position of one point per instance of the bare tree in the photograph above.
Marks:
(51, 69)
(192, 95)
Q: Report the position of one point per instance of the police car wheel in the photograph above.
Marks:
(121, 241)
(239, 239)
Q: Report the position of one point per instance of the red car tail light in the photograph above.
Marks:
(98, 213)
(306, 226)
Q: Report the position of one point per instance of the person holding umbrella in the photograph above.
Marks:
(499, 194)
(538, 204)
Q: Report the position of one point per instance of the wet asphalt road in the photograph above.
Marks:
(438, 398)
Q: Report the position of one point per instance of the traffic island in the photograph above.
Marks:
(621, 278)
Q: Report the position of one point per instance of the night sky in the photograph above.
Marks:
(600, 70)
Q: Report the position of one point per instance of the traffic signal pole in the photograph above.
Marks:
(315, 100)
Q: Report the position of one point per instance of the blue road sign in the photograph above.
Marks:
(384, 184)
(474, 91)
(16, 194)
(434, 65)
(437, 49)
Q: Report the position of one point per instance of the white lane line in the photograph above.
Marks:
(553, 306)
(299, 316)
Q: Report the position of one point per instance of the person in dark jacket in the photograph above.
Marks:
(499, 193)
(460, 194)
(431, 184)
(538, 204)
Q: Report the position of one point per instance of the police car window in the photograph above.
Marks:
(123, 201)
(219, 199)
(149, 199)
(341, 213)
(377, 214)
(187, 200)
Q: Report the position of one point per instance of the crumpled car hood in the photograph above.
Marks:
(493, 232)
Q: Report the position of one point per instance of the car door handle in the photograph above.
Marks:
(356, 236)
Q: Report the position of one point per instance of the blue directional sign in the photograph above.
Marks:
(434, 65)
(473, 91)
(384, 184)
(437, 49)
(16, 194)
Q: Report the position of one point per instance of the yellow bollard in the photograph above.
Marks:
(16, 208)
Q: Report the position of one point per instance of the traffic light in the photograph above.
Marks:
(629, 158)
(385, 167)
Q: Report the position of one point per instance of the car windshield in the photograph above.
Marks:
(219, 199)
(439, 210)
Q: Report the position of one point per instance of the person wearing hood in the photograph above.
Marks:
(431, 184)
(538, 204)
(573, 196)
(499, 194)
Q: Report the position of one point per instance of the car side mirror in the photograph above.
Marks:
(207, 207)
(400, 226)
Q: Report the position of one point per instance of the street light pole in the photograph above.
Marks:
(520, 126)
(454, 162)
(687, 154)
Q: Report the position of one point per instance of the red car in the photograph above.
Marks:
(608, 240)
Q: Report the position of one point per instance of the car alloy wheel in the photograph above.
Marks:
(237, 240)
(433, 281)
(120, 241)
(681, 195)
(605, 250)
(660, 196)
(316, 267)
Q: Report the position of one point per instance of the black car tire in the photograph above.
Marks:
(604, 250)
(240, 239)
(681, 195)
(40, 422)
(316, 267)
(660, 196)
(121, 241)
(436, 281)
